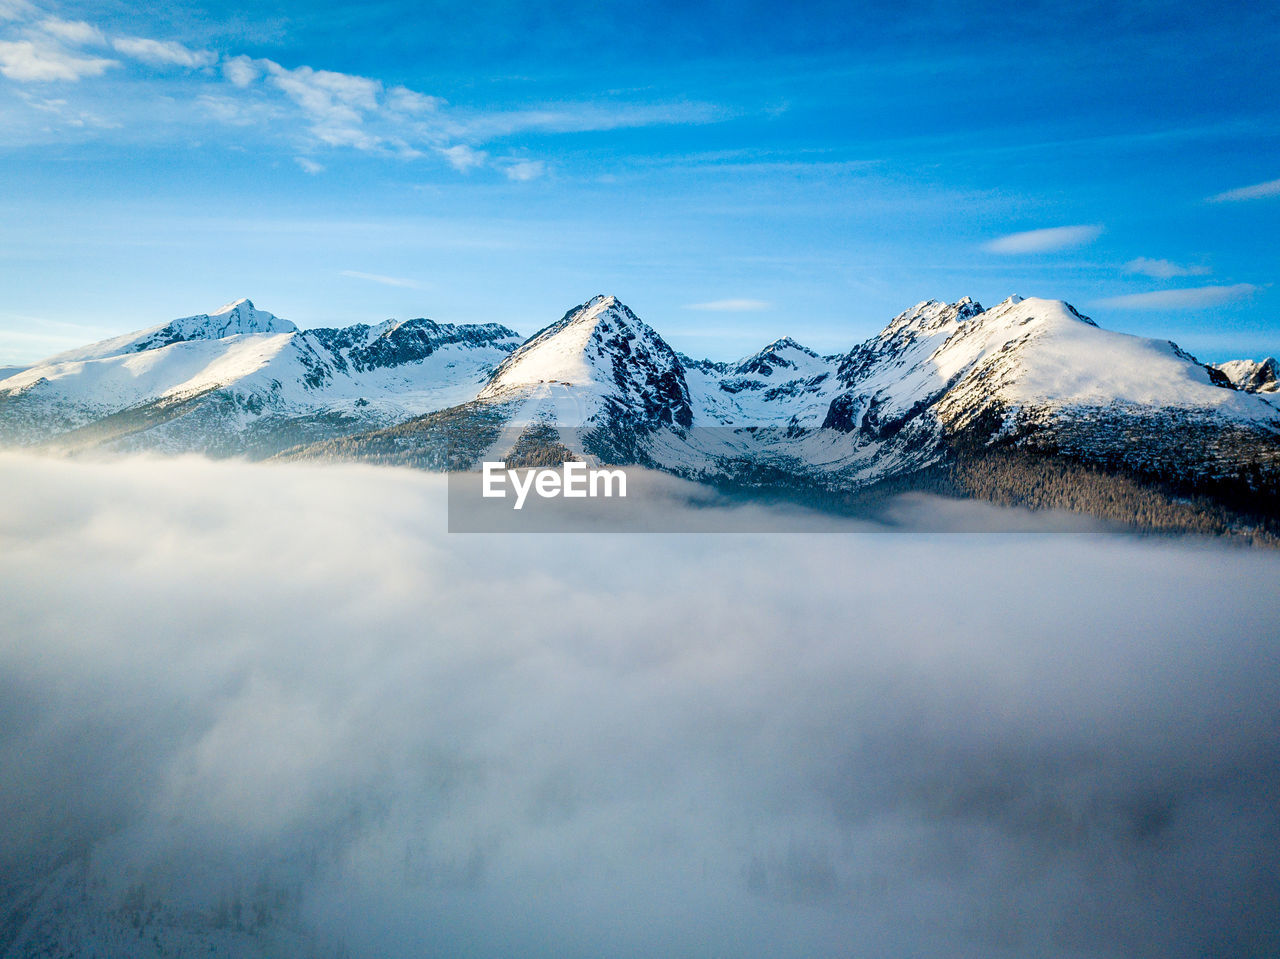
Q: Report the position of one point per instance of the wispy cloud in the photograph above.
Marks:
(1185, 299)
(584, 117)
(164, 52)
(315, 107)
(523, 170)
(240, 71)
(309, 165)
(463, 158)
(384, 280)
(16, 10)
(31, 61)
(1165, 269)
(72, 31)
(1258, 191)
(731, 306)
(1047, 240)
(335, 103)
(66, 114)
(406, 101)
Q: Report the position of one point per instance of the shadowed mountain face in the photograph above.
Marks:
(989, 402)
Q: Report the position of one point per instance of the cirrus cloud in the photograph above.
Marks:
(164, 52)
(739, 305)
(1184, 299)
(1164, 269)
(381, 279)
(1257, 191)
(1048, 240)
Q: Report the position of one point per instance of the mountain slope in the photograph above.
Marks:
(242, 380)
(944, 388)
(240, 317)
(604, 357)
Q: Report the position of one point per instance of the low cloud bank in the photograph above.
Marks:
(280, 709)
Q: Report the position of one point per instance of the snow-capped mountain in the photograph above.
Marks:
(1253, 376)
(783, 383)
(599, 359)
(942, 384)
(241, 381)
(237, 318)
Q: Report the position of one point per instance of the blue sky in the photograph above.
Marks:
(732, 171)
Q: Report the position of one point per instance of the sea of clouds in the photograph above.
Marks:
(280, 709)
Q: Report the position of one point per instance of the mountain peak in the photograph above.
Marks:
(1253, 377)
(244, 303)
(786, 342)
(930, 315)
(606, 350)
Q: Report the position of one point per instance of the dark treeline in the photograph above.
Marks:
(1038, 481)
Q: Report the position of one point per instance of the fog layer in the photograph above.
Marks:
(281, 709)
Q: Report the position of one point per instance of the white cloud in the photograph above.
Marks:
(240, 71)
(67, 115)
(463, 158)
(583, 118)
(384, 280)
(1258, 191)
(72, 31)
(335, 103)
(329, 107)
(25, 60)
(164, 52)
(16, 10)
(309, 165)
(1186, 299)
(404, 100)
(218, 685)
(238, 111)
(523, 170)
(1164, 269)
(731, 306)
(1045, 241)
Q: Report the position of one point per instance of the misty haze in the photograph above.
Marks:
(278, 711)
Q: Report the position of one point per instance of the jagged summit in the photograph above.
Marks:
(235, 318)
(580, 347)
(610, 358)
(782, 354)
(243, 303)
(238, 318)
(1252, 377)
(931, 314)
(786, 343)
(602, 300)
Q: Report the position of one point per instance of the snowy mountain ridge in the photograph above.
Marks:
(242, 381)
(237, 318)
(1028, 388)
(1032, 375)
